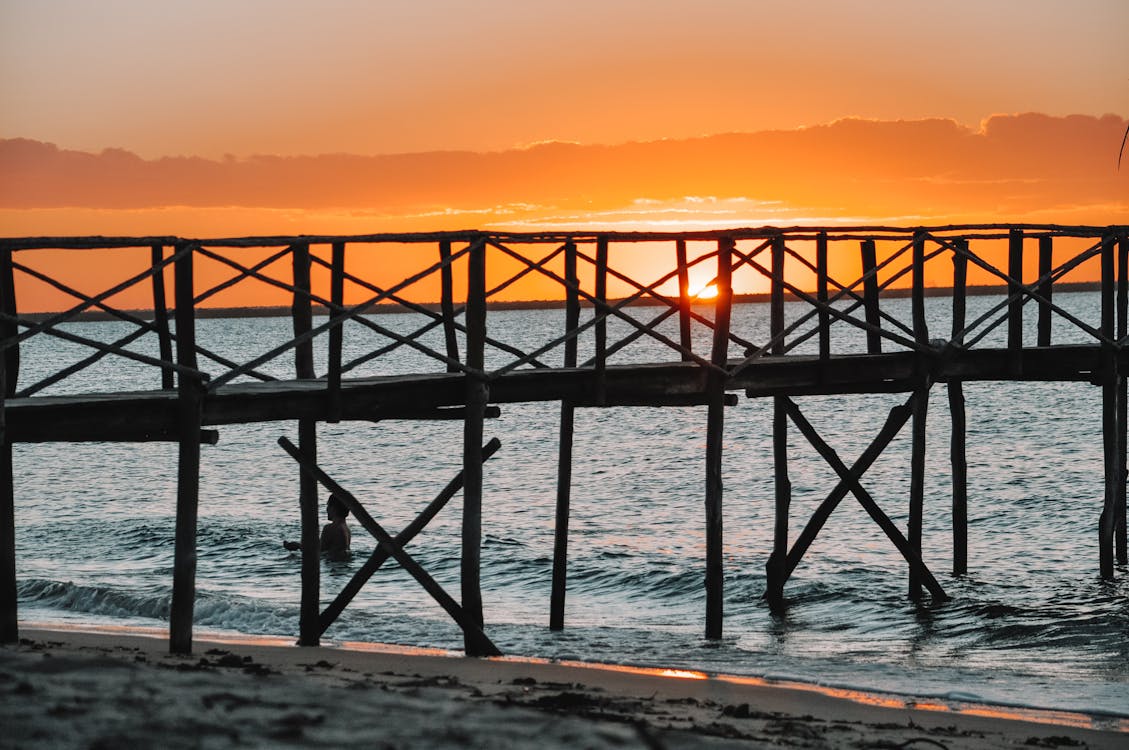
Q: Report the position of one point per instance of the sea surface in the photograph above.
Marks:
(1030, 624)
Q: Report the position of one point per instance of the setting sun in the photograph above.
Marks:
(709, 291)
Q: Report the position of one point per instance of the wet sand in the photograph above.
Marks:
(70, 688)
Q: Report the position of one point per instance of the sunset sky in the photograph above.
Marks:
(212, 117)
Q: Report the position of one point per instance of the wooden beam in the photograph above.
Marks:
(683, 299)
(897, 418)
(957, 443)
(870, 296)
(601, 298)
(1045, 289)
(564, 458)
(821, 275)
(849, 481)
(1107, 521)
(1121, 543)
(1015, 306)
(302, 317)
(161, 315)
(715, 427)
(447, 304)
(9, 359)
(482, 646)
(189, 415)
(337, 333)
(381, 554)
(477, 395)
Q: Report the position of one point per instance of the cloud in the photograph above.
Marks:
(1011, 167)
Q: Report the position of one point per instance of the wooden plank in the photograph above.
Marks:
(161, 315)
(381, 554)
(870, 296)
(477, 396)
(479, 644)
(1015, 306)
(1045, 289)
(683, 300)
(564, 458)
(715, 427)
(189, 398)
(447, 304)
(337, 333)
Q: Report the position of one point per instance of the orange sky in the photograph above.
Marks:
(279, 116)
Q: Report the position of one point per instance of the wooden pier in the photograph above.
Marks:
(829, 331)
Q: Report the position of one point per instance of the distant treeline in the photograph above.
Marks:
(544, 304)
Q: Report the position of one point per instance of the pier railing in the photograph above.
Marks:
(831, 280)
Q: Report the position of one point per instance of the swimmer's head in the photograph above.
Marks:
(336, 509)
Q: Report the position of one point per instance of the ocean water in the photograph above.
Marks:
(1031, 624)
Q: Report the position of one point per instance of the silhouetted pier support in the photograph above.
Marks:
(564, 459)
(302, 317)
(958, 442)
(776, 569)
(189, 406)
(477, 397)
(462, 386)
(9, 371)
(715, 428)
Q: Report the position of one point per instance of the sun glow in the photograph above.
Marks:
(709, 291)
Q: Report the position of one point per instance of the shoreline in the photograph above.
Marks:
(669, 707)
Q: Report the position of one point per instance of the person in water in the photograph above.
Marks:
(335, 535)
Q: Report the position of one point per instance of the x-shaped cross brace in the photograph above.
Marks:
(849, 482)
(387, 546)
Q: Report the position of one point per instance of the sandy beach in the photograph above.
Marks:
(74, 688)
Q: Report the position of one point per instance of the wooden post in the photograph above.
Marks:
(447, 304)
(917, 486)
(564, 463)
(1046, 263)
(683, 299)
(957, 445)
(9, 595)
(189, 411)
(601, 325)
(477, 396)
(1107, 521)
(302, 316)
(715, 424)
(1120, 542)
(775, 572)
(161, 316)
(917, 293)
(870, 296)
(337, 332)
(821, 295)
(1015, 307)
(920, 407)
